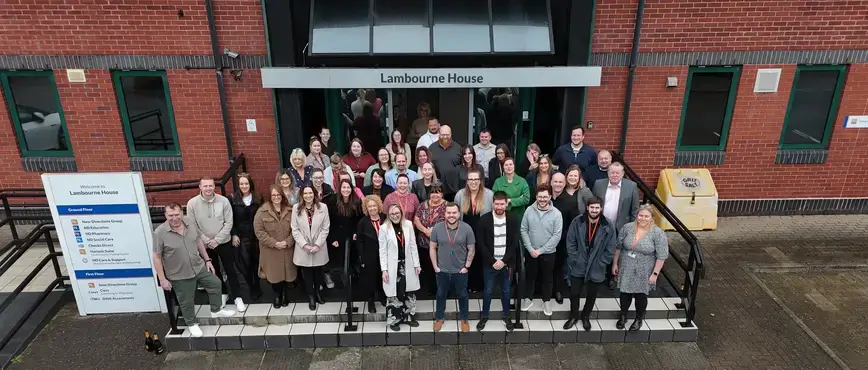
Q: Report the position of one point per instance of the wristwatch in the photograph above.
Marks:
(206, 261)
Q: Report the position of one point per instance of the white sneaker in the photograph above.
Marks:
(547, 308)
(239, 305)
(195, 332)
(526, 304)
(328, 280)
(223, 313)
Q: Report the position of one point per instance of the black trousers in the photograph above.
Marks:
(371, 280)
(313, 279)
(278, 288)
(224, 257)
(247, 262)
(576, 285)
(542, 267)
(641, 303)
(560, 281)
(475, 279)
(427, 279)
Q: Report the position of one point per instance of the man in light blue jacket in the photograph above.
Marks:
(541, 229)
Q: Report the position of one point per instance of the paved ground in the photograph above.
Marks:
(780, 293)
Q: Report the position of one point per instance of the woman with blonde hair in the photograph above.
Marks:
(368, 250)
(310, 230)
(422, 186)
(542, 175)
(400, 262)
(420, 124)
(287, 185)
(577, 188)
(273, 227)
(642, 249)
(298, 170)
(473, 202)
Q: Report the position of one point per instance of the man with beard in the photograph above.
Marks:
(497, 237)
(431, 136)
(590, 248)
(400, 169)
(598, 171)
(541, 228)
(451, 251)
(446, 158)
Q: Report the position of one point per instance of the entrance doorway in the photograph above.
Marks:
(506, 111)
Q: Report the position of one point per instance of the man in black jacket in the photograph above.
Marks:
(497, 242)
(590, 249)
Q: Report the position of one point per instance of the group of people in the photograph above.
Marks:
(454, 222)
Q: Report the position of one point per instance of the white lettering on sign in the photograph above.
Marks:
(449, 78)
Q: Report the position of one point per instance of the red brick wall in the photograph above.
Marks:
(147, 27)
(687, 25)
(735, 25)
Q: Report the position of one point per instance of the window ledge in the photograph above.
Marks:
(699, 157)
(49, 164)
(801, 156)
(156, 164)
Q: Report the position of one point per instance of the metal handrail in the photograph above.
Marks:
(693, 268)
(519, 285)
(348, 284)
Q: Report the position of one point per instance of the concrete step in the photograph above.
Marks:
(295, 326)
(299, 313)
(333, 334)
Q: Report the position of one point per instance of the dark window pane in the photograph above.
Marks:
(810, 107)
(706, 108)
(401, 26)
(520, 26)
(461, 26)
(340, 27)
(148, 112)
(37, 109)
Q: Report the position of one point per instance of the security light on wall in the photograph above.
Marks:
(230, 53)
(671, 81)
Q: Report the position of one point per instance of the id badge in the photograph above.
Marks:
(631, 254)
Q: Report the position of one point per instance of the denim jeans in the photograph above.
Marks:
(493, 277)
(445, 282)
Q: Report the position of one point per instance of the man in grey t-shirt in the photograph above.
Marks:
(451, 250)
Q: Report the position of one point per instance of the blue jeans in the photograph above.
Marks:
(445, 282)
(493, 277)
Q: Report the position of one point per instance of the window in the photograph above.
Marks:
(813, 107)
(146, 112)
(34, 107)
(401, 26)
(707, 110)
(521, 26)
(461, 26)
(340, 27)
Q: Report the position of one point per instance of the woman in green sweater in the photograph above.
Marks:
(515, 188)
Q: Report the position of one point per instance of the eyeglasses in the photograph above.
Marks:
(468, 180)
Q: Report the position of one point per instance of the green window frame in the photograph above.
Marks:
(833, 108)
(125, 117)
(16, 122)
(730, 105)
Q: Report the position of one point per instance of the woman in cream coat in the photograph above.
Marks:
(399, 260)
(310, 229)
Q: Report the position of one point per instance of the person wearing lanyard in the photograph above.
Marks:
(643, 247)
(310, 229)
(399, 260)
(591, 241)
(368, 247)
(429, 213)
(451, 249)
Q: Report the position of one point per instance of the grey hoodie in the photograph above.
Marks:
(213, 217)
(541, 229)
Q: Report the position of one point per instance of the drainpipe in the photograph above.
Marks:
(218, 66)
(634, 58)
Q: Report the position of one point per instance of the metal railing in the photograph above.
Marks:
(692, 266)
(348, 284)
(14, 249)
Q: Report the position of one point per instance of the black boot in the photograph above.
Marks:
(372, 306)
(278, 300)
(637, 323)
(311, 303)
(586, 322)
(319, 298)
(559, 298)
(284, 298)
(411, 321)
(570, 322)
(621, 321)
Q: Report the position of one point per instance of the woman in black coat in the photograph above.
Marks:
(368, 250)
(495, 165)
(378, 185)
(245, 202)
(345, 211)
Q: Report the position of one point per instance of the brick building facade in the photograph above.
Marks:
(105, 38)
